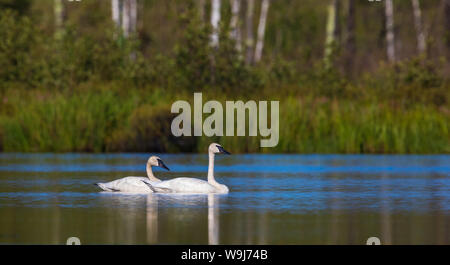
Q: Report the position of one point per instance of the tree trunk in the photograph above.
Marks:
(447, 22)
(235, 29)
(140, 13)
(215, 18)
(58, 10)
(390, 37)
(124, 15)
(330, 32)
(350, 47)
(249, 31)
(129, 17)
(337, 20)
(133, 16)
(421, 45)
(116, 8)
(261, 30)
(126, 19)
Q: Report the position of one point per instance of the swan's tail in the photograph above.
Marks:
(103, 186)
(157, 189)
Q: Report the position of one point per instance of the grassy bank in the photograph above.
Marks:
(110, 120)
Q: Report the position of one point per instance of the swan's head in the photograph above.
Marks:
(217, 149)
(156, 162)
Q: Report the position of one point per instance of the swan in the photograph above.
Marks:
(193, 185)
(134, 184)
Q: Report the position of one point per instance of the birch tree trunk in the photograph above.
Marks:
(261, 30)
(330, 32)
(116, 12)
(129, 17)
(215, 18)
(390, 37)
(58, 10)
(350, 47)
(235, 29)
(133, 16)
(126, 20)
(421, 45)
(249, 31)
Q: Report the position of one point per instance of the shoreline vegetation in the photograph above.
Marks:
(108, 121)
(84, 91)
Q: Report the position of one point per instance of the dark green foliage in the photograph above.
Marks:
(20, 6)
(193, 56)
(200, 66)
(29, 57)
(20, 61)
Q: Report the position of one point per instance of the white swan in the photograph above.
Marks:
(192, 185)
(135, 184)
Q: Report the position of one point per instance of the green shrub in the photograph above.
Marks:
(20, 6)
(21, 59)
(200, 66)
(409, 83)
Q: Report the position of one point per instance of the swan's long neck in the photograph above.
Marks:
(150, 173)
(211, 179)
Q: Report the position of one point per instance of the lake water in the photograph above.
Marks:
(273, 199)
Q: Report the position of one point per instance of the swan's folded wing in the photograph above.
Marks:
(183, 185)
(104, 186)
(127, 184)
(156, 189)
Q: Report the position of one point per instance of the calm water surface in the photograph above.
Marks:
(273, 199)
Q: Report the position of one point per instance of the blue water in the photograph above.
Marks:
(301, 192)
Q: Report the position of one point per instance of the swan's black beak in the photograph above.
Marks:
(161, 164)
(223, 151)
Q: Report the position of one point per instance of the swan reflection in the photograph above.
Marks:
(155, 201)
(152, 219)
(213, 219)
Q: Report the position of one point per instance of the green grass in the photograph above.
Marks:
(57, 123)
(348, 127)
(107, 120)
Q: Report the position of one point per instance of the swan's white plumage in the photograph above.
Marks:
(193, 185)
(128, 184)
(135, 184)
(183, 185)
